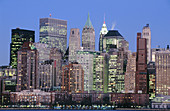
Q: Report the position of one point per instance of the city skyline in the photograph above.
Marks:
(128, 21)
(73, 60)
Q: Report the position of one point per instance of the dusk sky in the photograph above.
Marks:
(129, 16)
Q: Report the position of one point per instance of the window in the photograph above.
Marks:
(72, 32)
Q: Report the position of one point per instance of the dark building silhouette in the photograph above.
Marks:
(141, 65)
(19, 36)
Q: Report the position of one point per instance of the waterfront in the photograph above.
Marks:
(120, 109)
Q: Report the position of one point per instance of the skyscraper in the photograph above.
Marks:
(141, 65)
(56, 55)
(130, 73)
(27, 68)
(74, 44)
(54, 33)
(19, 36)
(146, 33)
(103, 32)
(116, 70)
(113, 39)
(88, 36)
(162, 64)
(100, 72)
(86, 59)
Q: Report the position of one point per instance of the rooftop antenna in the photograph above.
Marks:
(104, 18)
(50, 15)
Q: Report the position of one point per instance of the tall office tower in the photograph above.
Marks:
(74, 44)
(103, 32)
(162, 64)
(56, 55)
(146, 33)
(88, 36)
(152, 79)
(116, 70)
(43, 51)
(130, 73)
(73, 78)
(113, 39)
(141, 65)
(112, 71)
(27, 68)
(54, 33)
(86, 59)
(19, 36)
(100, 74)
(154, 51)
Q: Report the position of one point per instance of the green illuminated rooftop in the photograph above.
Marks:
(88, 22)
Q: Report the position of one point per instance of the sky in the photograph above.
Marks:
(130, 16)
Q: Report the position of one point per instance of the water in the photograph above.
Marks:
(69, 110)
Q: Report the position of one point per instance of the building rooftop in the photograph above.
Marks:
(19, 29)
(53, 19)
(88, 23)
(114, 33)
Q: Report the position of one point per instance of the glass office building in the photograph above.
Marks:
(54, 33)
(113, 39)
(87, 61)
(19, 36)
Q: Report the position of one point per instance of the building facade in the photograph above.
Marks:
(86, 59)
(73, 78)
(43, 51)
(116, 70)
(88, 36)
(34, 97)
(113, 39)
(130, 73)
(19, 36)
(45, 72)
(154, 51)
(27, 68)
(161, 102)
(74, 44)
(162, 64)
(56, 55)
(6, 71)
(141, 65)
(146, 33)
(53, 32)
(100, 74)
(152, 79)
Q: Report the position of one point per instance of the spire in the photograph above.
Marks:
(104, 28)
(104, 18)
(88, 22)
